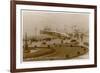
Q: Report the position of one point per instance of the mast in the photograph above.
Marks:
(26, 44)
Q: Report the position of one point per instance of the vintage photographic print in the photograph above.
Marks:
(54, 35)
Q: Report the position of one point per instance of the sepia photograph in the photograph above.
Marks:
(54, 35)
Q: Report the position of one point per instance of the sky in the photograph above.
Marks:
(34, 21)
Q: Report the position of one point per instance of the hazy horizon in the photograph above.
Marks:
(34, 21)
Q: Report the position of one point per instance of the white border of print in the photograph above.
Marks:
(38, 64)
